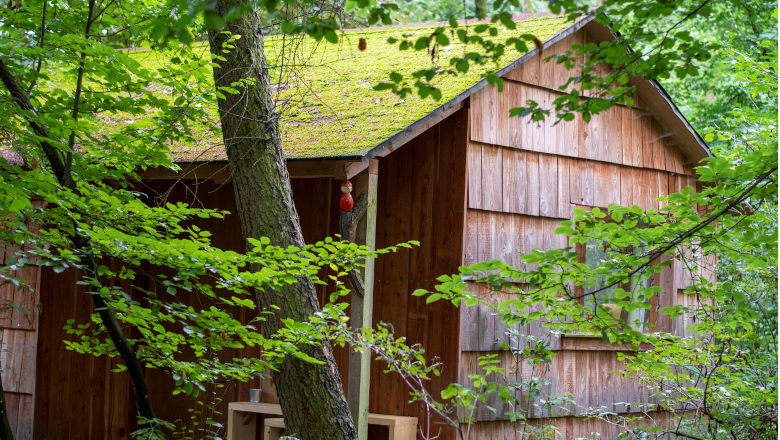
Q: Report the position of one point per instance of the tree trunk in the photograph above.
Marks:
(311, 395)
(480, 8)
(527, 7)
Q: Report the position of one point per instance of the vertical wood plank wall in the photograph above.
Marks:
(524, 178)
(421, 197)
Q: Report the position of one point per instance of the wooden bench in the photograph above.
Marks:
(242, 421)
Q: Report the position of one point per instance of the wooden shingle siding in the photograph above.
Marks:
(589, 376)
(505, 237)
(619, 135)
(508, 180)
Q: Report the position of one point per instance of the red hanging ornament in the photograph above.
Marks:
(346, 203)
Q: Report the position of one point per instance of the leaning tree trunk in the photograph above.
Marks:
(311, 395)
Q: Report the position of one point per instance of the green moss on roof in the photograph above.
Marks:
(326, 102)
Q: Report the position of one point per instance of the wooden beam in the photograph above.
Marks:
(362, 309)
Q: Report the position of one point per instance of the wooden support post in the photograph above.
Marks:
(362, 309)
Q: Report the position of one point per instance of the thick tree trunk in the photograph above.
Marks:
(311, 395)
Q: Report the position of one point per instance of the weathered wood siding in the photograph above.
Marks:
(566, 428)
(18, 353)
(523, 179)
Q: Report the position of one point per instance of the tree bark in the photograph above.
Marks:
(480, 8)
(311, 395)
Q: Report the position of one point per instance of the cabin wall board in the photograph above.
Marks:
(592, 376)
(503, 179)
(565, 428)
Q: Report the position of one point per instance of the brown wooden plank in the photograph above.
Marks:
(503, 238)
(626, 186)
(519, 203)
(679, 159)
(599, 137)
(663, 187)
(595, 373)
(533, 237)
(627, 135)
(568, 378)
(531, 71)
(564, 199)
(535, 129)
(582, 383)
(569, 139)
(502, 120)
(119, 405)
(79, 386)
(489, 114)
(550, 133)
(549, 78)
(548, 185)
(575, 181)
(637, 137)
(470, 315)
(476, 104)
(608, 379)
(614, 133)
(600, 184)
(45, 353)
(475, 175)
(651, 188)
(614, 184)
(647, 141)
(532, 174)
(61, 309)
(587, 179)
(583, 138)
(514, 97)
(492, 186)
(518, 242)
(487, 232)
(659, 153)
(638, 194)
(396, 266)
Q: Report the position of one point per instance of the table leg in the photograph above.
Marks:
(238, 428)
(406, 432)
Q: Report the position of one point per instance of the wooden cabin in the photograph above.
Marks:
(465, 180)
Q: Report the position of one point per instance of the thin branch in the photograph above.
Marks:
(652, 256)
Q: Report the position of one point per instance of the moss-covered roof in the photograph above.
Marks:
(327, 105)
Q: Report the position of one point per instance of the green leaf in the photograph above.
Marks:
(433, 298)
